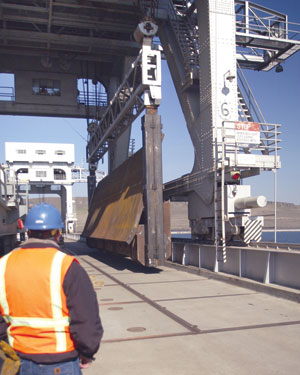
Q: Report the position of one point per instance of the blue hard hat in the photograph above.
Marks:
(43, 217)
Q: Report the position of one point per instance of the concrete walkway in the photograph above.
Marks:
(170, 322)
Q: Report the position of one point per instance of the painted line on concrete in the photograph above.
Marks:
(203, 332)
(204, 297)
(255, 326)
(150, 282)
(166, 281)
(192, 328)
(176, 299)
(150, 337)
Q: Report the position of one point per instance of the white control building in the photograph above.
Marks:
(45, 168)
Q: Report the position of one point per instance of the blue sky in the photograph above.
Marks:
(277, 94)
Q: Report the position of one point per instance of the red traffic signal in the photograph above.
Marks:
(235, 175)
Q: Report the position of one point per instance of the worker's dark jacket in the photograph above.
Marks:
(85, 326)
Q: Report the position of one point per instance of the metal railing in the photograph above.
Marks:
(92, 98)
(249, 97)
(264, 139)
(269, 27)
(7, 93)
(265, 34)
(125, 106)
(8, 187)
(3, 190)
(187, 36)
(80, 174)
(254, 111)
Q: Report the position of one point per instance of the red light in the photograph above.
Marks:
(236, 176)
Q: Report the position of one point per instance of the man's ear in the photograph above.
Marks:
(57, 235)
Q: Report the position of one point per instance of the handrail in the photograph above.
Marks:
(268, 140)
(250, 96)
(252, 105)
(268, 27)
(93, 99)
(189, 48)
(3, 189)
(125, 106)
(5, 181)
(7, 92)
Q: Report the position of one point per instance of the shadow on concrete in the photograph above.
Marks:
(118, 262)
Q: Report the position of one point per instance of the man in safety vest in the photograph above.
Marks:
(49, 306)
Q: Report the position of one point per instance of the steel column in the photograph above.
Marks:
(152, 187)
(91, 182)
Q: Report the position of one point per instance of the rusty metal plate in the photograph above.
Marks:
(117, 203)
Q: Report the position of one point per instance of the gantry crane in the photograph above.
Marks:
(207, 44)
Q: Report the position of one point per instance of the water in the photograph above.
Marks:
(281, 237)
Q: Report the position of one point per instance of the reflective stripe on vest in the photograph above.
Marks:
(55, 283)
(58, 322)
(37, 322)
(3, 299)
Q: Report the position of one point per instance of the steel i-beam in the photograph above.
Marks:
(152, 187)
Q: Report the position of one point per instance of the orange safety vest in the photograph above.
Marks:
(33, 302)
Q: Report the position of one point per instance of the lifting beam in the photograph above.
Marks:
(141, 89)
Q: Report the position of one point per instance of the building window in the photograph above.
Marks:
(42, 86)
(22, 170)
(40, 174)
(59, 174)
(21, 151)
(60, 152)
(7, 84)
(40, 152)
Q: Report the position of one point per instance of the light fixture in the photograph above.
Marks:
(279, 68)
(235, 175)
(230, 76)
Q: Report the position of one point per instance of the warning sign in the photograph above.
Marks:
(247, 132)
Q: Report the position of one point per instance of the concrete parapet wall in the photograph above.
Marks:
(264, 265)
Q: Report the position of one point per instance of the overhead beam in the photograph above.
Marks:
(79, 22)
(20, 7)
(119, 47)
(111, 5)
(120, 5)
(101, 57)
(46, 110)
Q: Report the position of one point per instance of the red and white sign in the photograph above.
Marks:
(247, 132)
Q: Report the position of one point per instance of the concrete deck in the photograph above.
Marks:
(170, 322)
